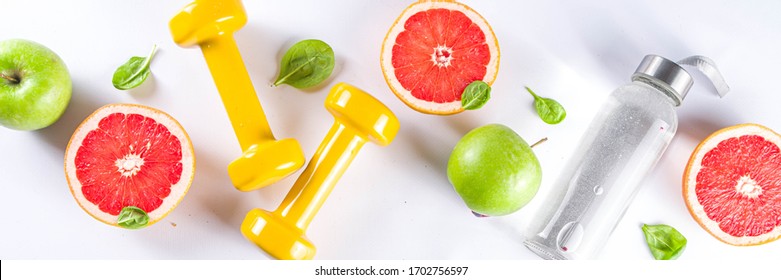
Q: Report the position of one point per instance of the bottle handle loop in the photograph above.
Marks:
(708, 68)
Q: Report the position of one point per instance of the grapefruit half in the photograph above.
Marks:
(732, 185)
(434, 50)
(129, 156)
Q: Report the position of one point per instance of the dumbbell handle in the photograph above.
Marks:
(236, 90)
(313, 186)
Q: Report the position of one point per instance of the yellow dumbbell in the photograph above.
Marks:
(359, 118)
(211, 24)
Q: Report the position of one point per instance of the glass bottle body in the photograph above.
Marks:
(622, 144)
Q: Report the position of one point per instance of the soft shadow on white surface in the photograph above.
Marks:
(143, 92)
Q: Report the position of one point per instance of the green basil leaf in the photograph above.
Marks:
(549, 110)
(306, 64)
(475, 95)
(134, 72)
(132, 217)
(665, 242)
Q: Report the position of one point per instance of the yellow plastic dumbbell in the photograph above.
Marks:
(211, 24)
(359, 118)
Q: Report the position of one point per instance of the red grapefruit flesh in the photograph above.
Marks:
(732, 185)
(129, 155)
(433, 51)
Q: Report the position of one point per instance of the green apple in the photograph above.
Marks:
(35, 87)
(494, 170)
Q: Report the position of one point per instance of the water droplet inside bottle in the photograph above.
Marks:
(569, 237)
(598, 190)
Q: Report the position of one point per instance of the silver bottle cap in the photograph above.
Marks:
(665, 73)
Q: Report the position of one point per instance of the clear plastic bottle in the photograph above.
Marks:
(622, 144)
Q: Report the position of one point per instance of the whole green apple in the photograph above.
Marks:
(494, 170)
(35, 87)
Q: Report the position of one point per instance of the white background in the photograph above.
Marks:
(393, 202)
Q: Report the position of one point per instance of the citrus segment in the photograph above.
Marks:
(732, 185)
(129, 155)
(434, 50)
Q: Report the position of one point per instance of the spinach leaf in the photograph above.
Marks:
(665, 242)
(475, 95)
(549, 110)
(134, 72)
(132, 217)
(306, 64)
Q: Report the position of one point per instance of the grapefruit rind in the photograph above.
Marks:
(696, 209)
(178, 190)
(430, 107)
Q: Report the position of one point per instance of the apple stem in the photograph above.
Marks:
(539, 142)
(9, 78)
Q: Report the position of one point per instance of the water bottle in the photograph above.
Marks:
(622, 144)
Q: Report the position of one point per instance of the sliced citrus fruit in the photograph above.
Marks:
(732, 185)
(129, 157)
(434, 50)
